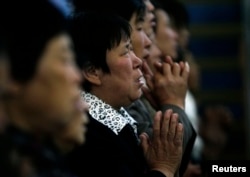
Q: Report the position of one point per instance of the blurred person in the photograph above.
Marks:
(179, 19)
(172, 38)
(4, 77)
(214, 129)
(165, 36)
(149, 23)
(180, 22)
(114, 80)
(43, 94)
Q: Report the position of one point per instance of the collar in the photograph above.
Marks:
(108, 116)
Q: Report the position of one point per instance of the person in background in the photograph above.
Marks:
(156, 56)
(172, 37)
(4, 77)
(43, 93)
(166, 37)
(179, 21)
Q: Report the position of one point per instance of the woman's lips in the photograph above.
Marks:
(141, 81)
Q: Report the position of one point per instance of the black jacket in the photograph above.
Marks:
(19, 150)
(107, 154)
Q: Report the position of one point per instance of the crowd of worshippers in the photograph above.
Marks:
(96, 88)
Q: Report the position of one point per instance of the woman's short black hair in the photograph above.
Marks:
(93, 34)
(123, 8)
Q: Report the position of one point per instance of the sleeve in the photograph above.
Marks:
(154, 173)
(141, 114)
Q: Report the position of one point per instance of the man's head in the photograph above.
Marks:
(165, 35)
(149, 18)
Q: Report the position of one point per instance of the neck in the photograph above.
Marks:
(63, 145)
(106, 98)
(23, 121)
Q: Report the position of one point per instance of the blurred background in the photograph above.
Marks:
(219, 39)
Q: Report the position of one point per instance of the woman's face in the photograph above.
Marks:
(166, 37)
(140, 41)
(52, 97)
(123, 84)
(183, 38)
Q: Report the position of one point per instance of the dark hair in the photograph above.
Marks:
(123, 8)
(93, 34)
(28, 26)
(2, 31)
(176, 10)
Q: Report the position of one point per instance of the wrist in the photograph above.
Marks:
(177, 103)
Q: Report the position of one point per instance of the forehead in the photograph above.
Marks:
(124, 43)
(137, 18)
(59, 43)
(161, 15)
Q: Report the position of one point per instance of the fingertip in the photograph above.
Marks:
(143, 136)
(169, 59)
(175, 117)
(159, 112)
(187, 66)
(158, 64)
(157, 118)
(180, 126)
(169, 111)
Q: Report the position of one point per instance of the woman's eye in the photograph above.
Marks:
(139, 28)
(126, 52)
(68, 60)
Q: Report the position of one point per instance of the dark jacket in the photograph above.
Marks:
(107, 154)
(21, 152)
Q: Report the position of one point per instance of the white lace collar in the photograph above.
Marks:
(108, 116)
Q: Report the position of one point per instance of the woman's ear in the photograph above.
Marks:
(92, 74)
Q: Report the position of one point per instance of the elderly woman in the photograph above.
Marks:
(169, 88)
(114, 80)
